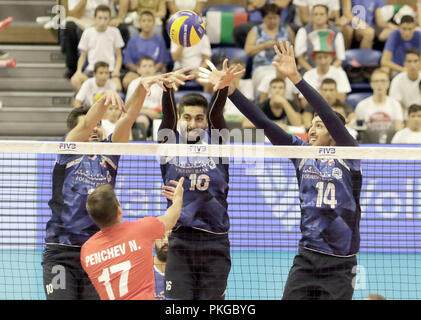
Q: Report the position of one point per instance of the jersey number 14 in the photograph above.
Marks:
(326, 195)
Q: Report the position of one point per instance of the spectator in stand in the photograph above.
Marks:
(152, 106)
(344, 111)
(98, 84)
(412, 133)
(99, 43)
(261, 40)
(145, 44)
(323, 56)
(329, 91)
(263, 88)
(194, 5)
(318, 26)
(404, 86)
(277, 108)
(254, 8)
(157, 7)
(80, 16)
(111, 118)
(245, 86)
(367, 21)
(399, 41)
(305, 7)
(381, 114)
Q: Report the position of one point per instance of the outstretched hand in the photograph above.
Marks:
(286, 65)
(112, 98)
(176, 78)
(174, 193)
(221, 78)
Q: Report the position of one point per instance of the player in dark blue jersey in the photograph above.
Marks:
(329, 194)
(198, 261)
(73, 178)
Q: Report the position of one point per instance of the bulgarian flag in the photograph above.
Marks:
(220, 25)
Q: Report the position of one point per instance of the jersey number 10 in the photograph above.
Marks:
(200, 183)
(326, 195)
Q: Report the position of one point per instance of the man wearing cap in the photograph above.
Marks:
(323, 56)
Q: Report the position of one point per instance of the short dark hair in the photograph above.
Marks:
(337, 114)
(192, 99)
(146, 58)
(329, 81)
(275, 80)
(414, 108)
(147, 12)
(102, 8)
(321, 5)
(100, 64)
(72, 118)
(102, 205)
(270, 8)
(407, 19)
(412, 51)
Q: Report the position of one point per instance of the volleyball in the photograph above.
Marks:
(186, 28)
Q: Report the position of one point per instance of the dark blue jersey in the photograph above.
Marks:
(329, 192)
(73, 178)
(159, 284)
(205, 204)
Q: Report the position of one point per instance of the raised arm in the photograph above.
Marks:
(287, 67)
(134, 105)
(174, 194)
(169, 107)
(223, 79)
(84, 128)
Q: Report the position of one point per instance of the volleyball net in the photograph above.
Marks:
(263, 205)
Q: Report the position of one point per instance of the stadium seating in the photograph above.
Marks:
(354, 98)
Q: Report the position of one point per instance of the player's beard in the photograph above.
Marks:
(162, 253)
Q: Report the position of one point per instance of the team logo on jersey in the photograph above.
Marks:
(211, 163)
(337, 173)
(102, 162)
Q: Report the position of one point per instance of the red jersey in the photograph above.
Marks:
(119, 259)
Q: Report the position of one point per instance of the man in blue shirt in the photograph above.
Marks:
(398, 42)
(145, 44)
(74, 176)
(329, 192)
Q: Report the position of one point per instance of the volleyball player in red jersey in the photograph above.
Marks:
(118, 259)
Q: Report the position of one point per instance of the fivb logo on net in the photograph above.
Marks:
(190, 147)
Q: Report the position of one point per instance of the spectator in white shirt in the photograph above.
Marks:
(305, 7)
(98, 84)
(380, 113)
(405, 85)
(329, 91)
(245, 86)
(152, 106)
(192, 57)
(319, 25)
(99, 43)
(412, 133)
(324, 70)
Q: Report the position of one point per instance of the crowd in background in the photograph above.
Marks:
(110, 45)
